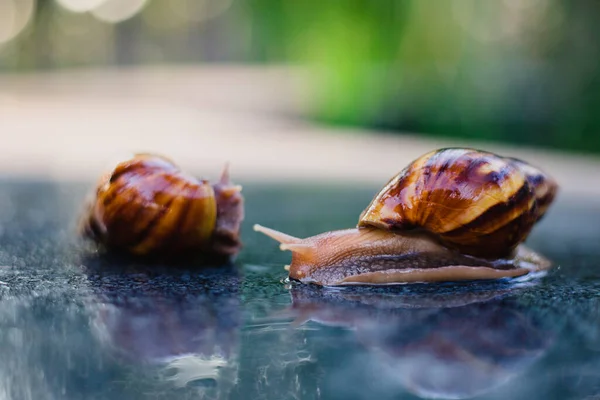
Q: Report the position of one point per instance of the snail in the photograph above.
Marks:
(453, 214)
(147, 206)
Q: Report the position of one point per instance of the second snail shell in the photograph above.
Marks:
(148, 206)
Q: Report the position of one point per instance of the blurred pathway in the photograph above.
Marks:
(69, 125)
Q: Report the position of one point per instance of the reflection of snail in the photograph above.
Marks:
(452, 214)
(147, 206)
(184, 322)
(434, 350)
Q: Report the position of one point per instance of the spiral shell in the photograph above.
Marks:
(477, 202)
(148, 206)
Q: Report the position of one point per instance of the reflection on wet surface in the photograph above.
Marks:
(76, 325)
(453, 345)
(113, 332)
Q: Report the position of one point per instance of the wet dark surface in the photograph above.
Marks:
(74, 325)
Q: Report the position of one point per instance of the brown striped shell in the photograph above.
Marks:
(147, 206)
(476, 202)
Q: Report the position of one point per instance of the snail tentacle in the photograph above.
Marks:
(281, 237)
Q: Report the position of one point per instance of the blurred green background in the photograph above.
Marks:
(518, 71)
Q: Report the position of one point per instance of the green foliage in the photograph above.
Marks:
(521, 72)
(499, 71)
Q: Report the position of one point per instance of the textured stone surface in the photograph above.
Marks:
(78, 326)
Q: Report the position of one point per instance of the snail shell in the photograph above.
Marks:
(147, 206)
(452, 214)
(477, 202)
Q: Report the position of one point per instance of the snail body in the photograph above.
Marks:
(147, 206)
(452, 214)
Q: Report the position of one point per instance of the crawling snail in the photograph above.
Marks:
(453, 214)
(147, 206)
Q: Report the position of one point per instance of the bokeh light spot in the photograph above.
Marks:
(114, 11)
(80, 6)
(14, 16)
